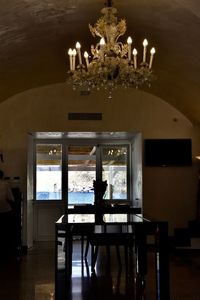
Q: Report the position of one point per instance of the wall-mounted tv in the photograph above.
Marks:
(168, 152)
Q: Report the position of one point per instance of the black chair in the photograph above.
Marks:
(111, 235)
(83, 230)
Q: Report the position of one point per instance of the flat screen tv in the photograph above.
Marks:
(167, 152)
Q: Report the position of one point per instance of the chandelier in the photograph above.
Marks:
(111, 62)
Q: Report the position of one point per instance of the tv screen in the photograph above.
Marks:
(167, 152)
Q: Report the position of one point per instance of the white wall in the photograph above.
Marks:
(169, 193)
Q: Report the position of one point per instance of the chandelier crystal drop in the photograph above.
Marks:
(111, 63)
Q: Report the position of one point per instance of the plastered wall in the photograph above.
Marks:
(168, 193)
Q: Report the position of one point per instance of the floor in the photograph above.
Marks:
(33, 277)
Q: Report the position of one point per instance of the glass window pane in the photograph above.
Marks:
(48, 171)
(81, 173)
(114, 170)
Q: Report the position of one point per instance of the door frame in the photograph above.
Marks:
(58, 206)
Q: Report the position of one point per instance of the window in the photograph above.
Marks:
(66, 171)
(81, 173)
(48, 172)
(114, 170)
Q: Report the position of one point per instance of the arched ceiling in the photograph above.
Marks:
(35, 36)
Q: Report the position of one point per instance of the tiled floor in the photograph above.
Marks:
(33, 278)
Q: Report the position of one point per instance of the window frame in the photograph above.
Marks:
(65, 143)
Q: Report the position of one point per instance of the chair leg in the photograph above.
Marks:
(86, 249)
(82, 246)
(94, 253)
(92, 258)
(118, 256)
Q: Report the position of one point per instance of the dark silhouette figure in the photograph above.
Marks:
(99, 191)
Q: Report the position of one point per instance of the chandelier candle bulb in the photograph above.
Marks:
(129, 42)
(102, 44)
(135, 58)
(70, 58)
(73, 59)
(78, 47)
(145, 43)
(110, 63)
(152, 52)
(86, 58)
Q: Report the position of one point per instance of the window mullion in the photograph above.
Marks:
(65, 173)
(98, 163)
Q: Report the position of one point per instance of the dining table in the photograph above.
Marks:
(83, 220)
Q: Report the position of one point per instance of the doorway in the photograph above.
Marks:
(65, 167)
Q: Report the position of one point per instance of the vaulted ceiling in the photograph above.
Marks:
(35, 36)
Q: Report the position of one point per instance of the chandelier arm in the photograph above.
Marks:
(112, 63)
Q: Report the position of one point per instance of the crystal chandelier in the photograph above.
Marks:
(111, 62)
